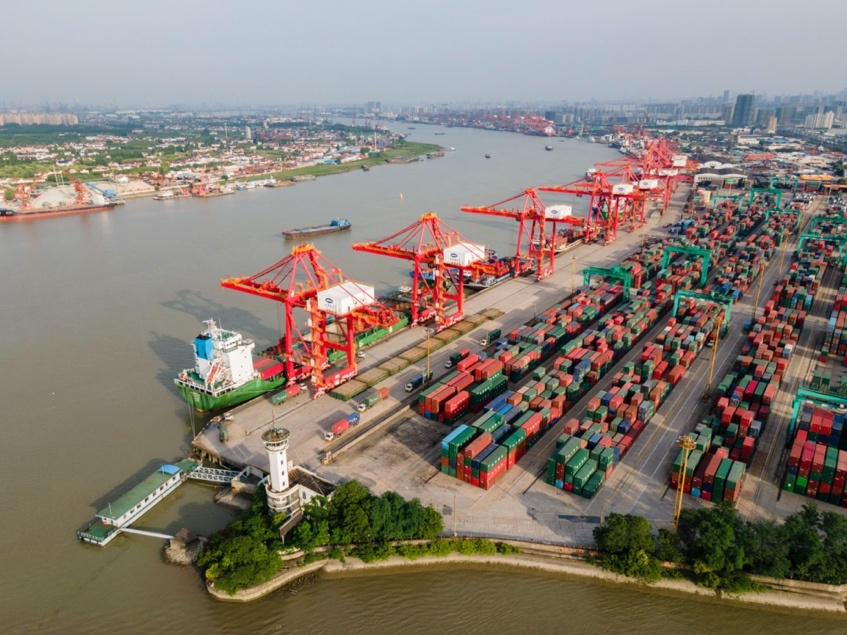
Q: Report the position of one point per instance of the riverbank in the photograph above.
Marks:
(785, 596)
(409, 150)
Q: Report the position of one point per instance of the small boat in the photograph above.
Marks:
(487, 156)
(548, 148)
(365, 168)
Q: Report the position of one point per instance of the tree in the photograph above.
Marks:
(9, 194)
(236, 562)
(627, 545)
(716, 543)
(769, 549)
(805, 545)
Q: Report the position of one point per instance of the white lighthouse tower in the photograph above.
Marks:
(277, 485)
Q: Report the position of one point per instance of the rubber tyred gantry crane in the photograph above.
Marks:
(424, 243)
(532, 215)
(305, 280)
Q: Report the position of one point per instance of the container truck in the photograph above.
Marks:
(492, 336)
(372, 398)
(341, 426)
(455, 358)
(418, 380)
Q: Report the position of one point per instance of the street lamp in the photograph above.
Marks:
(428, 332)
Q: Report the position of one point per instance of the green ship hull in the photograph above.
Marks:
(205, 402)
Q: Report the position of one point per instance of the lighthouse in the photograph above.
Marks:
(277, 485)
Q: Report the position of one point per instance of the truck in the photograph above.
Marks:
(491, 337)
(417, 381)
(455, 358)
(341, 426)
(285, 394)
(372, 398)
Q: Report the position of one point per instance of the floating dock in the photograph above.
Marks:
(126, 509)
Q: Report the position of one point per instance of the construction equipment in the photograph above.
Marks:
(716, 335)
(338, 309)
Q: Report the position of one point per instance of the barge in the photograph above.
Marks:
(336, 225)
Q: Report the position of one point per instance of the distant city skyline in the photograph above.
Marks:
(195, 52)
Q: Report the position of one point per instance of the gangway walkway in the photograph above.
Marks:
(143, 532)
(213, 475)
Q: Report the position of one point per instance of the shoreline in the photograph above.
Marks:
(795, 598)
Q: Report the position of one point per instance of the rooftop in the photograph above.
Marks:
(145, 488)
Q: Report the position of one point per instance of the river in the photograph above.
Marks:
(97, 313)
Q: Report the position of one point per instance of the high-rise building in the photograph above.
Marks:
(726, 96)
(772, 125)
(821, 120)
(726, 113)
(745, 111)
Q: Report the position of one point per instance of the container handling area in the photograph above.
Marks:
(578, 409)
(688, 348)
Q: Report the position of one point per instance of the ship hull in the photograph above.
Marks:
(57, 212)
(308, 232)
(205, 402)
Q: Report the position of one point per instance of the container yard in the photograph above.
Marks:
(560, 397)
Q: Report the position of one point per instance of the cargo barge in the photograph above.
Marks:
(336, 225)
(102, 205)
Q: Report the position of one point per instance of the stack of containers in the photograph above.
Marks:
(516, 420)
(474, 383)
(590, 448)
(726, 438)
(817, 461)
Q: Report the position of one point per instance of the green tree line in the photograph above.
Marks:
(722, 550)
(246, 552)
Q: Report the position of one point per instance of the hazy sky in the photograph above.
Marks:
(403, 51)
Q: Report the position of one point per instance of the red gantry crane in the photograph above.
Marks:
(440, 257)
(338, 309)
(610, 204)
(532, 215)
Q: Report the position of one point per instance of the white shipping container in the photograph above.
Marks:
(343, 298)
(463, 254)
(648, 184)
(558, 211)
(623, 188)
(680, 160)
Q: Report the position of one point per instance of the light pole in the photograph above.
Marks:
(428, 369)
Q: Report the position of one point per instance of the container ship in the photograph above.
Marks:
(336, 225)
(226, 373)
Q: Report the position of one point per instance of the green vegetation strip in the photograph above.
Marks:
(719, 550)
(406, 149)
